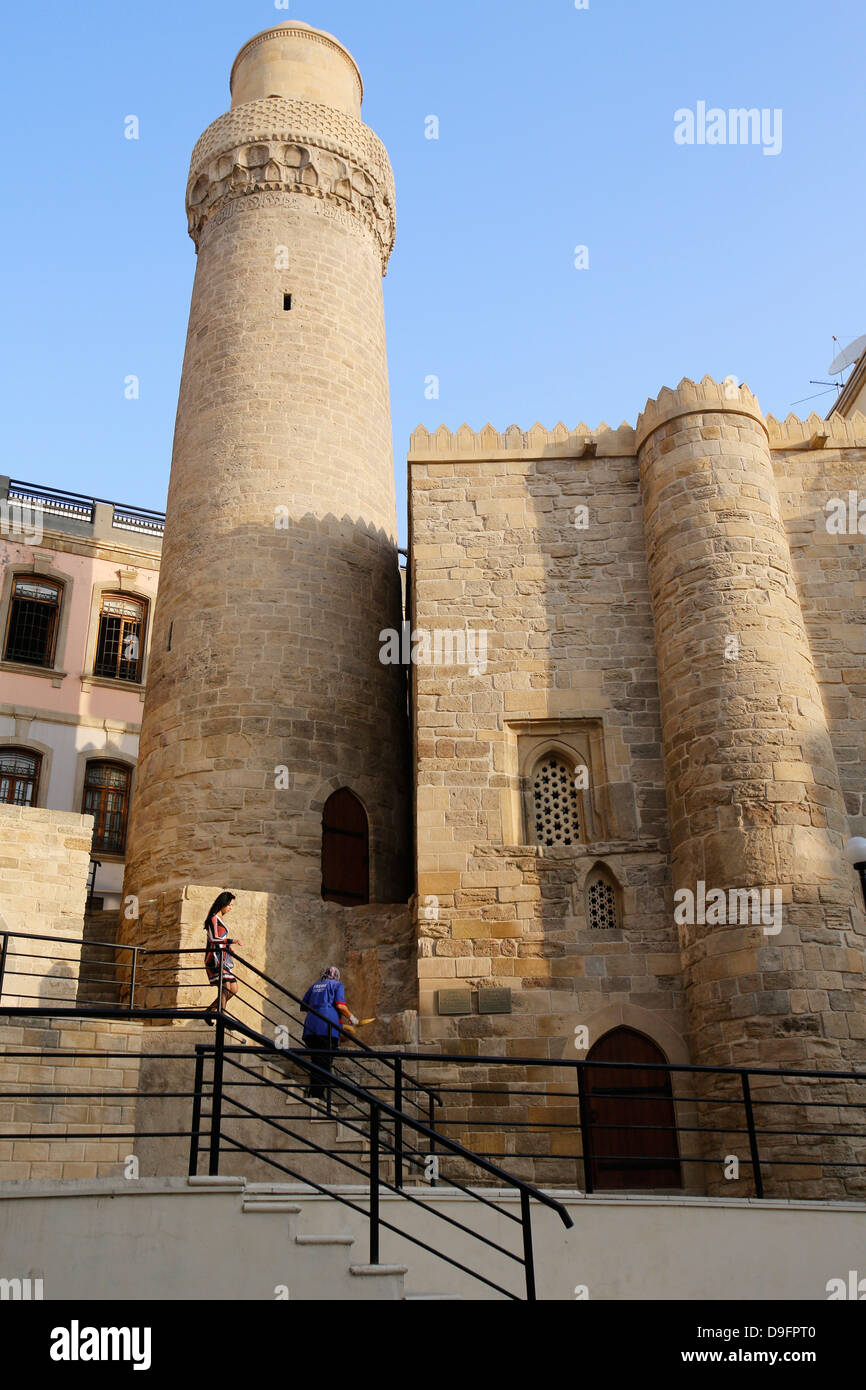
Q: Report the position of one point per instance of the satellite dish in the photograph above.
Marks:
(845, 359)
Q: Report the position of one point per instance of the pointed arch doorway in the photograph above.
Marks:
(632, 1138)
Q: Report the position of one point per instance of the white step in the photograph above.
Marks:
(324, 1240)
(269, 1205)
(218, 1184)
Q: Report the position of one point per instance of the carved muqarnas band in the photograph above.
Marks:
(293, 163)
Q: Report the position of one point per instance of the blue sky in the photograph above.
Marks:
(556, 130)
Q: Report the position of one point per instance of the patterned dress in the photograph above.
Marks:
(217, 931)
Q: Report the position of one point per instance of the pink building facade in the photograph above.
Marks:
(78, 580)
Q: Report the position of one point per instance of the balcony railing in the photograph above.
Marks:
(75, 506)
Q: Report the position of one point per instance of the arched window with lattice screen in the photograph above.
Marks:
(555, 802)
(602, 901)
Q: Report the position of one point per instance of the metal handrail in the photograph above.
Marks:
(36, 492)
(139, 951)
(368, 1102)
(451, 1144)
(379, 1109)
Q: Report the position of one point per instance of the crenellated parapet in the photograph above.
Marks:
(692, 397)
(537, 442)
(733, 398)
(835, 433)
(277, 145)
(689, 398)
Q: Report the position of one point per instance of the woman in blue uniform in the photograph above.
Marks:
(322, 1029)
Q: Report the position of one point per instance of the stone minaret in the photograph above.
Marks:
(280, 566)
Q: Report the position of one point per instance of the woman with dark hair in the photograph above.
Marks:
(218, 960)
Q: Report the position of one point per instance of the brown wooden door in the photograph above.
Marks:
(345, 850)
(632, 1140)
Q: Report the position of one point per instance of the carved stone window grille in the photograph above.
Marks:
(555, 803)
(602, 910)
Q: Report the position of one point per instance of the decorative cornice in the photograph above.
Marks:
(692, 397)
(301, 31)
(538, 442)
(287, 146)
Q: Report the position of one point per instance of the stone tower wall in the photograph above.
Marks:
(753, 789)
(279, 566)
(819, 467)
(570, 662)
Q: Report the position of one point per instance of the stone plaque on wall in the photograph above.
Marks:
(494, 1001)
(455, 1001)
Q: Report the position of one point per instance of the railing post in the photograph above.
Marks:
(196, 1110)
(3, 951)
(332, 1058)
(398, 1123)
(431, 1120)
(217, 1096)
(528, 1258)
(753, 1134)
(374, 1183)
(585, 1127)
(132, 978)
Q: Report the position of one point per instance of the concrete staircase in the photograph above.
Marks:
(100, 979)
(343, 1134)
(321, 1264)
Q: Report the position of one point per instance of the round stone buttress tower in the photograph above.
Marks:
(754, 798)
(280, 568)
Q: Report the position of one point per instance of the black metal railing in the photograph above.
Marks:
(72, 505)
(76, 506)
(639, 1125)
(370, 1118)
(383, 1113)
(563, 1122)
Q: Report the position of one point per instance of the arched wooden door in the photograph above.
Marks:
(345, 850)
(632, 1139)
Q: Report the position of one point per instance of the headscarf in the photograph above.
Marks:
(332, 973)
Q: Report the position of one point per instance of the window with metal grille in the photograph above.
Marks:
(602, 909)
(345, 850)
(19, 776)
(555, 803)
(106, 798)
(31, 631)
(118, 644)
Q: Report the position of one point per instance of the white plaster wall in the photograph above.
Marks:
(162, 1239)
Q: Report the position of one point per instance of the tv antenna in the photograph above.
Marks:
(844, 359)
